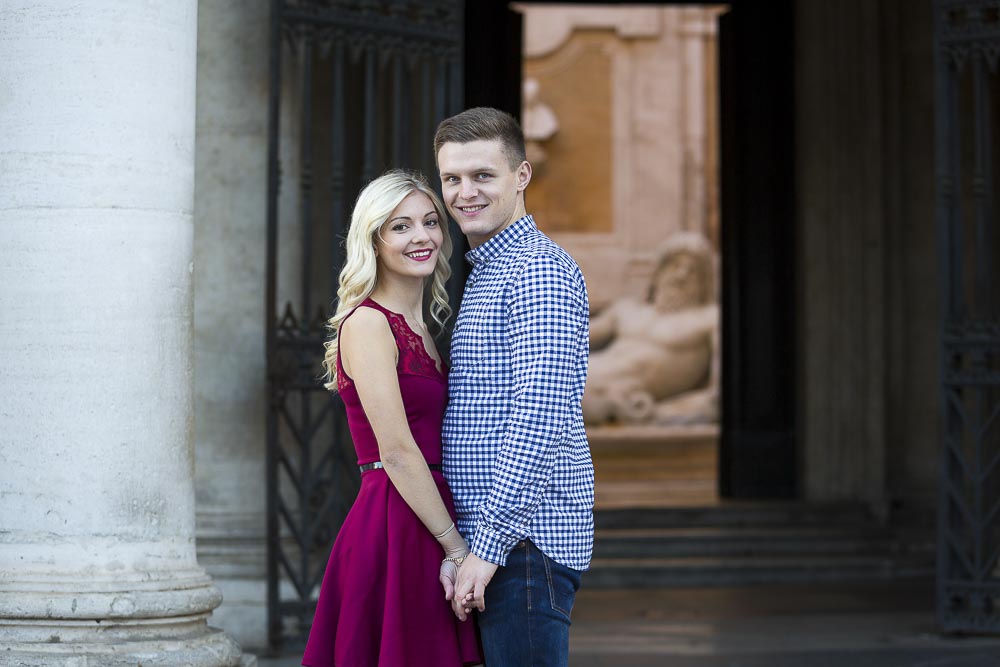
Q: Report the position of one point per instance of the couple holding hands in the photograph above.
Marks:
(474, 519)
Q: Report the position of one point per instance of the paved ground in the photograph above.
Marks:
(785, 626)
(833, 626)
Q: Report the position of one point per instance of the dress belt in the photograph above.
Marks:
(377, 465)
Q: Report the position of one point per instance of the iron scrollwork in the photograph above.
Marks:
(967, 44)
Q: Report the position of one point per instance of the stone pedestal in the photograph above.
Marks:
(97, 553)
(655, 466)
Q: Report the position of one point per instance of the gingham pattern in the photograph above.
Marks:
(515, 450)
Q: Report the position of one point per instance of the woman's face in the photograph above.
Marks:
(408, 244)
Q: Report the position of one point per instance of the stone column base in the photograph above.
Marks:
(132, 620)
(192, 644)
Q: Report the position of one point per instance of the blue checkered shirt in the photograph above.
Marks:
(515, 450)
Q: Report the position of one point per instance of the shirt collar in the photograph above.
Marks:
(500, 243)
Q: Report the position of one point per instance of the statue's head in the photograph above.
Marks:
(684, 274)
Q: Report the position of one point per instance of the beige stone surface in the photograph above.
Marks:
(571, 190)
(634, 91)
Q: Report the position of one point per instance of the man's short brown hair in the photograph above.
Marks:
(483, 124)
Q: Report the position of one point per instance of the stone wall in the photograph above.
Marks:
(230, 220)
(634, 160)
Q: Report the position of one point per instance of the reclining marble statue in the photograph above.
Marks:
(657, 361)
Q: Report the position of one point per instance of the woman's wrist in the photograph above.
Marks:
(457, 560)
(455, 550)
(447, 531)
(453, 542)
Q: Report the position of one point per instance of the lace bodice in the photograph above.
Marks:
(413, 356)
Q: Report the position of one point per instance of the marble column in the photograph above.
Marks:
(97, 549)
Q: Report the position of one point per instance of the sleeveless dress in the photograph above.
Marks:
(381, 603)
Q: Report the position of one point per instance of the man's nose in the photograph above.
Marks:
(469, 190)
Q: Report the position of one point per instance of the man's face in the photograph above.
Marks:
(480, 189)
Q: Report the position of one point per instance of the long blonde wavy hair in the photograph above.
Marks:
(358, 278)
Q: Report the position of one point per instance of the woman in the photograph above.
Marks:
(381, 602)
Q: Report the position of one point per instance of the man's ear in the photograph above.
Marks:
(523, 174)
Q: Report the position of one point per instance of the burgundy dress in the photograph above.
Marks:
(381, 602)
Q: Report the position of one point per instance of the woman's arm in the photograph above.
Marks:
(369, 354)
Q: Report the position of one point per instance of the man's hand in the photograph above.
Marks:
(448, 577)
(470, 587)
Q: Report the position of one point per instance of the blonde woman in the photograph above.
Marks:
(381, 602)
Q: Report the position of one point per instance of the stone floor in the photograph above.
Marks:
(884, 625)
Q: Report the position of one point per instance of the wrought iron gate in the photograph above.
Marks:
(356, 87)
(967, 47)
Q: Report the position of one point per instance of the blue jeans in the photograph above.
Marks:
(528, 604)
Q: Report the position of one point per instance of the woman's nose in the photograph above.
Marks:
(420, 234)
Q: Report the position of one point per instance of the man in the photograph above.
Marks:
(515, 450)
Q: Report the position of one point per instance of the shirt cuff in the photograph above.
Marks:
(492, 546)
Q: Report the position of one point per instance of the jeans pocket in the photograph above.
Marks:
(563, 584)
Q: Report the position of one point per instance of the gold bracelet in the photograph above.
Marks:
(457, 560)
(446, 531)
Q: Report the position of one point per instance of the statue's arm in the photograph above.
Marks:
(602, 327)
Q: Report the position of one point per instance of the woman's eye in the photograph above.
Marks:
(430, 223)
(399, 227)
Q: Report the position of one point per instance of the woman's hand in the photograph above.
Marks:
(448, 574)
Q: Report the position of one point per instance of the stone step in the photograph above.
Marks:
(751, 570)
(735, 514)
(746, 543)
(741, 541)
